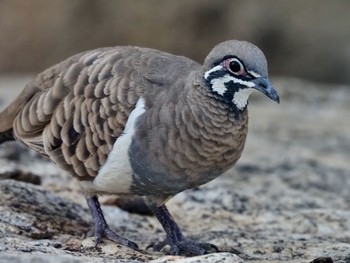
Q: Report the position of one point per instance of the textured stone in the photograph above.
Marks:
(211, 258)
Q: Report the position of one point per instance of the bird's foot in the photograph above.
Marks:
(185, 246)
(102, 229)
(179, 245)
(106, 232)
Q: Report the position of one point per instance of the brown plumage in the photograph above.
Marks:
(129, 120)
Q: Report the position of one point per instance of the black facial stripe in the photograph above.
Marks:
(228, 95)
(216, 74)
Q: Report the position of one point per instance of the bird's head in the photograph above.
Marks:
(233, 69)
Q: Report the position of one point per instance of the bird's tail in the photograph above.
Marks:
(6, 136)
(7, 117)
(9, 114)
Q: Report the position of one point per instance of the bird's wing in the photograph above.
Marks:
(74, 111)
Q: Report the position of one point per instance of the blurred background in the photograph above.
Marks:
(306, 39)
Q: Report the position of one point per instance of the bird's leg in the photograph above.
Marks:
(101, 227)
(177, 242)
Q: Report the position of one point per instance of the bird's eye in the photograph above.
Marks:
(235, 66)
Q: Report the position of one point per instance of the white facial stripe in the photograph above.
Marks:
(254, 74)
(115, 176)
(216, 68)
(240, 98)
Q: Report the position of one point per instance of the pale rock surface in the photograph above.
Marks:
(287, 200)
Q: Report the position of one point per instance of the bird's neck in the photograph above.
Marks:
(219, 132)
(235, 101)
(218, 107)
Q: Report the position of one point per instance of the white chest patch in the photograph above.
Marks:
(115, 176)
(240, 98)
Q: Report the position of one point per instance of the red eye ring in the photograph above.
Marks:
(235, 66)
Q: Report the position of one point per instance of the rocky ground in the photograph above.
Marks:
(287, 200)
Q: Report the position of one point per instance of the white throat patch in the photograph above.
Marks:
(240, 98)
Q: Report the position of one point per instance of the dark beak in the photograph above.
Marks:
(264, 86)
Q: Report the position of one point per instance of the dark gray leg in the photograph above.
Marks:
(177, 242)
(101, 227)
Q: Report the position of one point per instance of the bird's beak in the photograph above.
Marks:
(264, 86)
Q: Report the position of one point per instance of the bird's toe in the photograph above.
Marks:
(209, 247)
(185, 247)
(157, 246)
(111, 235)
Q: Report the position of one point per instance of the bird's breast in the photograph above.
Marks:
(177, 150)
(169, 148)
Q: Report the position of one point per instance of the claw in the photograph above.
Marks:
(97, 241)
(174, 251)
(209, 246)
(150, 246)
(157, 247)
(132, 245)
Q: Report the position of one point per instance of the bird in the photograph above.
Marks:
(136, 121)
